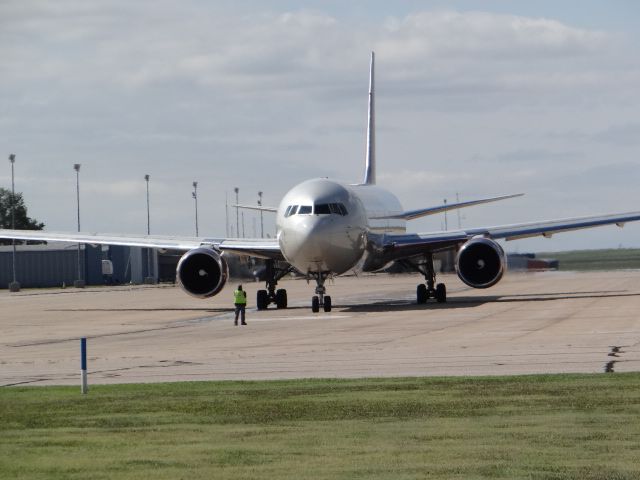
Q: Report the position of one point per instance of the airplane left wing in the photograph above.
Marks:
(551, 227)
(388, 247)
(258, 247)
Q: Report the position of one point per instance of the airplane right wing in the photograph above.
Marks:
(257, 247)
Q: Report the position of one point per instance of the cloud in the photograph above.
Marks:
(620, 135)
(537, 156)
(460, 34)
(617, 134)
(262, 97)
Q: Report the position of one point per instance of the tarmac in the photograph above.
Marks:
(530, 323)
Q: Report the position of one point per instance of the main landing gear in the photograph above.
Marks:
(424, 292)
(271, 295)
(320, 299)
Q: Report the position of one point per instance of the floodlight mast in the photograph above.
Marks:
(149, 278)
(261, 220)
(194, 194)
(79, 283)
(147, 177)
(237, 190)
(14, 286)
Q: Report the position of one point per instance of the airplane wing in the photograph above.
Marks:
(396, 246)
(549, 228)
(258, 247)
(422, 212)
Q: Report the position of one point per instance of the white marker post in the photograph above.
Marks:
(83, 361)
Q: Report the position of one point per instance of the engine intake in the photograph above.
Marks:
(202, 272)
(480, 263)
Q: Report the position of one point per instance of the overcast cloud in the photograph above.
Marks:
(263, 95)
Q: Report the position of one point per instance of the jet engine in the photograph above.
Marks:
(480, 263)
(202, 272)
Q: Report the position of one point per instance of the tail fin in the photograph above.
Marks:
(370, 161)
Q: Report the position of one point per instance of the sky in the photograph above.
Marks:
(473, 99)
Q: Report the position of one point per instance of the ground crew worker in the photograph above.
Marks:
(240, 301)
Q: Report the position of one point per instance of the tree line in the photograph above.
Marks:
(22, 220)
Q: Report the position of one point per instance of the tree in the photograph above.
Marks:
(23, 222)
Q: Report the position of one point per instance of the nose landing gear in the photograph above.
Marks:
(320, 299)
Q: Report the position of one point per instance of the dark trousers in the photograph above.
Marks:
(240, 311)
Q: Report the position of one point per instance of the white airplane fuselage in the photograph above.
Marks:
(322, 225)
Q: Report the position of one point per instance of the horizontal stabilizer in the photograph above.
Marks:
(423, 212)
(259, 208)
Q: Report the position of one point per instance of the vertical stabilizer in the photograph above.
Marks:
(370, 162)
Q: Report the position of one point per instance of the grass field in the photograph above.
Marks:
(534, 427)
(612, 259)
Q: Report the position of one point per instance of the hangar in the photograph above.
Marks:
(56, 265)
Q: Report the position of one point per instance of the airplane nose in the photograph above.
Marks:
(308, 239)
(321, 243)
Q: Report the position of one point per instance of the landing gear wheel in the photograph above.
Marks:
(441, 293)
(281, 298)
(262, 300)
(422, 294)
(327, 303)
(315, 304)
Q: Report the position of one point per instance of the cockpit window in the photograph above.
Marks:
(321, 209)
(338, 209)
(318, 209)
(291, 210)
(329, 208)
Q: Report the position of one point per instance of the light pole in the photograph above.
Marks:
(261, 221)
(79, 283)
(226, 213)
(13, 286)
(236, 189)
(194, 194)
(146, 178)
(149, 278)
(446, 226)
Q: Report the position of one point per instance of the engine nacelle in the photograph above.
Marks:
(202, 272)
(480, 263)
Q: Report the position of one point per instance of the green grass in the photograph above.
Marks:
(533, 427)
(612, 259)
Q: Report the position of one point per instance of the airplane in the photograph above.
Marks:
(326, 228)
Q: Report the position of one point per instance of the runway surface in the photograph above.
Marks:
(548, 322)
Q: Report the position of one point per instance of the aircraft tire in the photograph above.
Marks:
(421, 294)
(327, 303)
(315, 304)
(441, 293)
(281, 298)
(262, 300)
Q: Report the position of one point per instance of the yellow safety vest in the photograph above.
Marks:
(240, 296)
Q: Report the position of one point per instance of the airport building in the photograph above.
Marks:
(56, 265)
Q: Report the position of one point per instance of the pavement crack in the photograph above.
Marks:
(609, 366)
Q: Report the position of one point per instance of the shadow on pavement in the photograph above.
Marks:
(455, 302)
